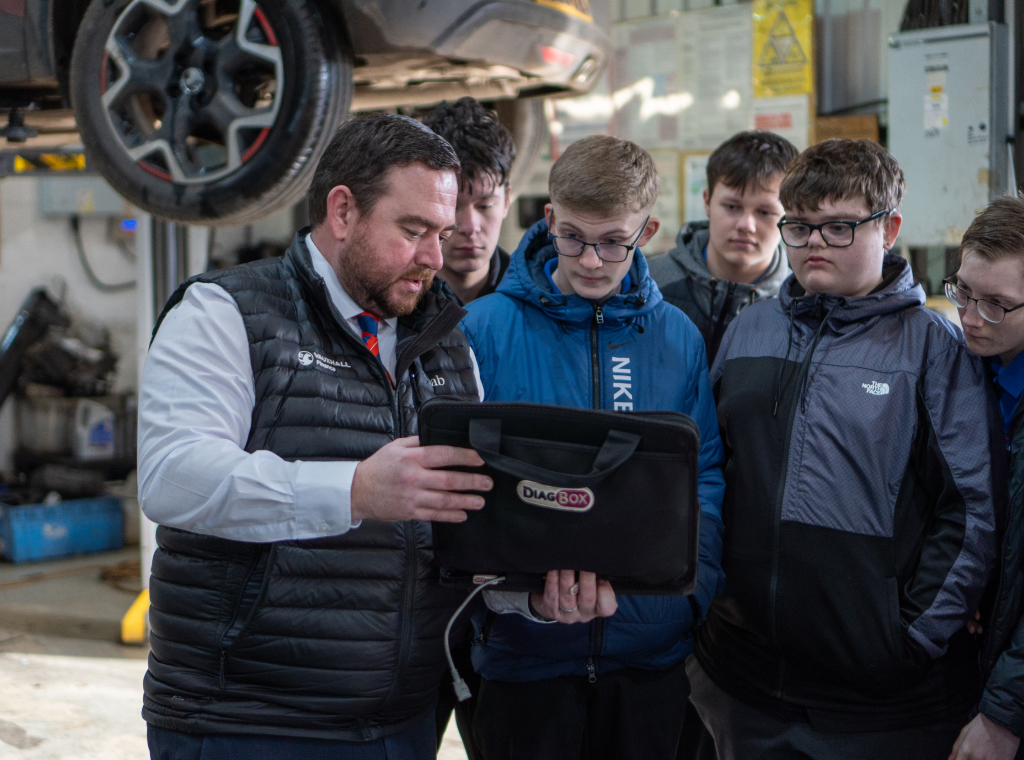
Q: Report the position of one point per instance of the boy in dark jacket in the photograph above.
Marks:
(988, 290)
(578, 322)
(720, 266)
(861, 529)
(474, 263)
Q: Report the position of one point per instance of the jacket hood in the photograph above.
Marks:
(526, 281)
(898, 291)
(693, 238)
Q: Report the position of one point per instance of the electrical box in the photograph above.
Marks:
(79, 196)
(948, 124)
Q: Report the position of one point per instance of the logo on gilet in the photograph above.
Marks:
(321, 362)
(551, 497)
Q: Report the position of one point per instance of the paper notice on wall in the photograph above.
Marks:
(645, 93)
(787, 116)
(936, 99)
(782, 47)
(682, 81)
(694, 178)
(666, 210)
(714, 66)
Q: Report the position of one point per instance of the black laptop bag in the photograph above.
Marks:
(613, 493)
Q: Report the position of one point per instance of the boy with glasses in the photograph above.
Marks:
(988, 291)
(721, 266)
(860, 522)
(578, 322)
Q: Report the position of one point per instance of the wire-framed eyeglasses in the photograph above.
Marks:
(613, 253)
(837, 234)
(989, 310)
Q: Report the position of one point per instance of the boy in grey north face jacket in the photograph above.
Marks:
(859, 510)
(720, 266)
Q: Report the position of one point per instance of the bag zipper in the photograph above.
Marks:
(595, 369)
(598, 644)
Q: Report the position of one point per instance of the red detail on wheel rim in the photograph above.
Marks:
(261, 19)
(256, 145)
(265, 26)
(154, 171)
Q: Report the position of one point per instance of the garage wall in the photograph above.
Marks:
(40, 251)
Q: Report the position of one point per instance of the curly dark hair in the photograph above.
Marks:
(483, 145)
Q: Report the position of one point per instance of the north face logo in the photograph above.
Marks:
(876, 388)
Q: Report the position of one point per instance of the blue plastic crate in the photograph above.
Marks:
(77, 526)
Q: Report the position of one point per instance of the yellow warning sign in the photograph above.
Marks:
(52, 162)
(782, 47)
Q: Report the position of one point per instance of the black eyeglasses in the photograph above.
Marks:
(989, 310)
(836, 234)
(613, 253)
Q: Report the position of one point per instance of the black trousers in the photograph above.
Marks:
(415, 743)
(627, 714)
(742, 732)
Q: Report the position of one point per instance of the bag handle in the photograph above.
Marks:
(485, 438)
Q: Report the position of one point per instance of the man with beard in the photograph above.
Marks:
(295, 605)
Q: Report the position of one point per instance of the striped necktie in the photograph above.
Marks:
(368, 326)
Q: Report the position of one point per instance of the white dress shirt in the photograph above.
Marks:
(196, 399)
(195, 409)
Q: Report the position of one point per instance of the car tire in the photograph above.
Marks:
(250, 146)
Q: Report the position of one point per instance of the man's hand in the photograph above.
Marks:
(983, 739)
(401, 481)
(570, 601)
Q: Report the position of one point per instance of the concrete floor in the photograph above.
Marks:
(74, 699)
(70, 699)
(68, 691)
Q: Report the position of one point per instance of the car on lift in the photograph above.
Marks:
(216, 111)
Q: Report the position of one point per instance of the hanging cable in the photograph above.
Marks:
(97, 283)
(462, 692)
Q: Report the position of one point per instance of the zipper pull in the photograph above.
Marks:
(599, 315)
(591, 670)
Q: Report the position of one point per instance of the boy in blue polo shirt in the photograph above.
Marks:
(578, 321)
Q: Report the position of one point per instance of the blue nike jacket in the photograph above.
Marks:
(633, 353)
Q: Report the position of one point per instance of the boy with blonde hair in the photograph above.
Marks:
(578, 322)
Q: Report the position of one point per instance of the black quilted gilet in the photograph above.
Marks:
(336, 637)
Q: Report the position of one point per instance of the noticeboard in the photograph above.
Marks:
(783, 48)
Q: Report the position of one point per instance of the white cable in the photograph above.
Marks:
(462, 691)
